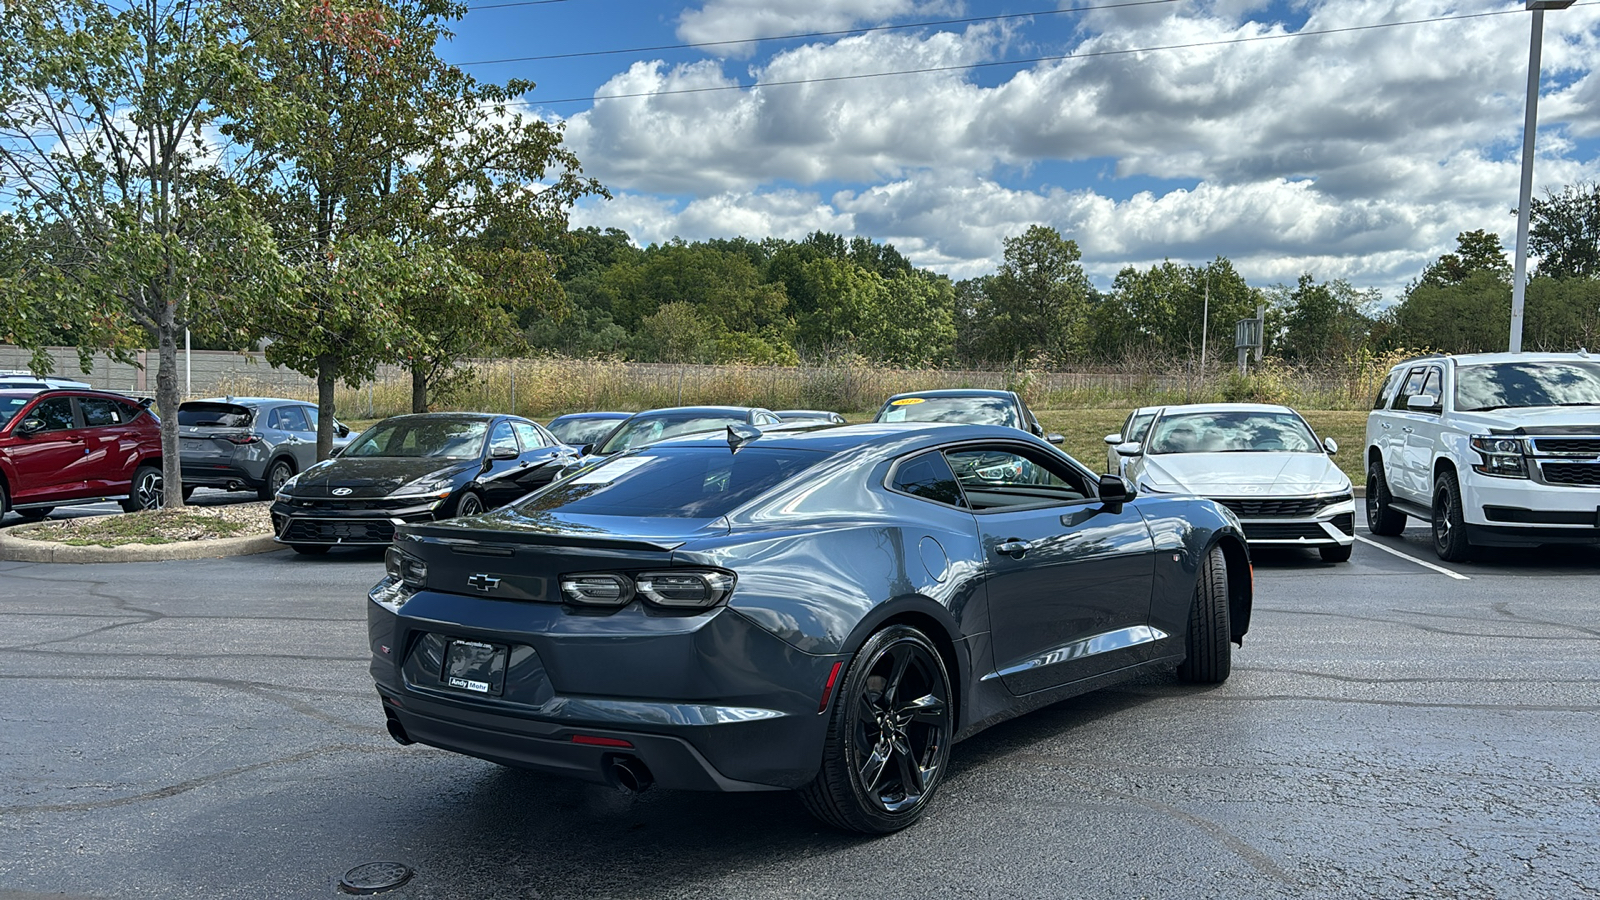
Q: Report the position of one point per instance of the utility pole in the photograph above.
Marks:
(1519, 276)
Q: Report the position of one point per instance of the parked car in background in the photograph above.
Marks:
(255, 443)
(1260, 460)
(585, 428)
(1490, 449)
(811, 416)
(415, 468)
(22, 381)
(60, 447)
(825, 611)
(652, 425)
(972, 406)
(1133, 430)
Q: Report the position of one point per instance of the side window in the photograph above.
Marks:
(1413, 385)
(503, 436)
(1434, 384)
(291, 418)
(1139, 425)
(55, 413)
(99, 413)
(1009, 477)
(529, 435)
(1385, 388)
(928, 476)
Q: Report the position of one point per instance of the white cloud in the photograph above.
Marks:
(1358, 154)
(742, 20)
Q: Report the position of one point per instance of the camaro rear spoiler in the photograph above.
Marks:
(503, 543)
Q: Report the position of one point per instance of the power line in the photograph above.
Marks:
(799, 35)
(1037, 59)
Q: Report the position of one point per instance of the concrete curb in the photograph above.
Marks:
(16, 548)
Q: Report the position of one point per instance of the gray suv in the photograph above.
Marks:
(258, 443)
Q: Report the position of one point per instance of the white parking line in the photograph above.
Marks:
(1421, 562)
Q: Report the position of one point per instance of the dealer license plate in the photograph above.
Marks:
(474, 667)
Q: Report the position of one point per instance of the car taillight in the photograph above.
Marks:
(243, 438)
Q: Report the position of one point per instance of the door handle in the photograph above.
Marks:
(1385, 426)
(1013, 548)
(1406, 429)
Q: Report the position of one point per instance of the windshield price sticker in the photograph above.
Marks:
(612, 471)
(907, 401)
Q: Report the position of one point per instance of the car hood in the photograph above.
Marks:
(375, 476)
(1533, 420)
(1245, 474)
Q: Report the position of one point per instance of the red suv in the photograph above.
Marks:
(76, 446)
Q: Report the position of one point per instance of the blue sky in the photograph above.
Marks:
(1359, 153)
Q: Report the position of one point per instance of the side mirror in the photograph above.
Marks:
(1115, 491)
(586, 449)
(1330, 445)
(1423, 402)
(503, 453)
(1129, 448)
(30, 427)
(1113, 439)
(1056, 439)
(342, 429)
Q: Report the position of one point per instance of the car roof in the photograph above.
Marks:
(955, 392)
(248, 401)
(1223, 407)
(715, 410)
(1475, 359)
(901, 435)
(445, 416)
(593, 415)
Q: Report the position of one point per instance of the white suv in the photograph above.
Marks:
(1493, 449)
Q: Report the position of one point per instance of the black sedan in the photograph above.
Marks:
(415, 468)
(826, 612)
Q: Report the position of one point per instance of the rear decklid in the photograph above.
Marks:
(213, 429)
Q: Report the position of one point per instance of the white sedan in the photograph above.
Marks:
(1261, 461)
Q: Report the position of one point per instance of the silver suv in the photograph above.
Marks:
(257, 443)
(1491, 449)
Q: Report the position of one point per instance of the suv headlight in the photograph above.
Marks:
(1502, 456)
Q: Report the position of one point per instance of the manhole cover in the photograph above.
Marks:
(374, 877)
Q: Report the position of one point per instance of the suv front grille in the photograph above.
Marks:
(1589, 446)
(1571, 473)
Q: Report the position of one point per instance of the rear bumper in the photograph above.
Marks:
(219, 475)
(706, 702)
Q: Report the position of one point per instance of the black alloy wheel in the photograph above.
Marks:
(889, 736)
(1449, 533)
(280, 472)
(1382, 519)
(146, 491)
(468, 504)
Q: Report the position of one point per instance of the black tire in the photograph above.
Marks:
(145, 492)
(1382, 519)
(1336, 553)
(468, 503)
(280, 471)
(35, 513)
(1210, 657)
(1449, 533)
(188, 491)
(310, 549)
(894, 711)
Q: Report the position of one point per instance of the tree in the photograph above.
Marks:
(1476, 251)
(1565, 232)
(1168, 309)
(1470, 317)
(1040, 298)
(117, 176)
(1322, 322)
(367, 136)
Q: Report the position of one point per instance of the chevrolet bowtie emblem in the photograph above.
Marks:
(483, 582)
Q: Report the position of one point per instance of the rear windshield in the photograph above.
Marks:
(675, 482)
(966, 410)
(642, 430)
(578, 432)
(214, 415)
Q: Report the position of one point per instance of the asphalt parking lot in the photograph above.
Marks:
(1393, 728)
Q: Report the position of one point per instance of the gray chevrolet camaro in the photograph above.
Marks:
(826, 612)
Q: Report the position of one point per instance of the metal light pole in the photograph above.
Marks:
(1519, 276)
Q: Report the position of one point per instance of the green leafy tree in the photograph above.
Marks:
(674, 333)
(1039, 300)
(1476, 251)
(1471, 316)
(116, 176)
(1168, 309)
(1564, 232)
(912, 322)
(1322, 322)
